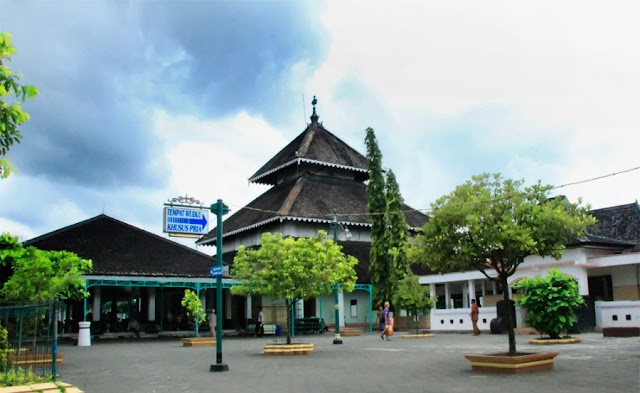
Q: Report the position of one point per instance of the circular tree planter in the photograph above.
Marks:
(419, 335)
(520, 363)
(550, 341)
(288, 349)
(198, 342)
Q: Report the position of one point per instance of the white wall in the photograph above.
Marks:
(459, 319)
(618, 314)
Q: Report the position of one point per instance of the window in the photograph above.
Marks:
(354, 308)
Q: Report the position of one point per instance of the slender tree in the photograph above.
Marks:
(379, 259)
(491, 224)
(397, 231)
(292, 269)
(195, 311)
(11, 113)
(413, 297)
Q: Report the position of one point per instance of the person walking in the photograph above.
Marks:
(474, 317)
(260, 323)
(387, 322)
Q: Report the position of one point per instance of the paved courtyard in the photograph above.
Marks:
(361, 364)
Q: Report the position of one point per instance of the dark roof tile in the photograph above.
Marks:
(120, 249)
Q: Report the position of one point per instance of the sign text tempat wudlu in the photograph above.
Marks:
(185, 220)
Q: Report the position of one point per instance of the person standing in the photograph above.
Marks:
(260, 323)
(474, 317)
(212, 322)
(387, 322)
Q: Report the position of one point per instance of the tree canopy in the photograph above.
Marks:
(292, 269)
(40, 276)
(11, 113)
(413, 297)
(491, 224)
(191, 302)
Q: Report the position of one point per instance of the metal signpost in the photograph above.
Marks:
(219, 209)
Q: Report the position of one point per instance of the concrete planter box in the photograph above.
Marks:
(419, 335)
(288, 349)
(551, 341)
(52, 387)
(522, 363)
(40, 359)
(198, 342)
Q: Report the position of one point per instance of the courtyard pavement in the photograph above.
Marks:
(361, 364)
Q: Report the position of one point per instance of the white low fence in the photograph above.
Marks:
(459, 319)
(618, 314)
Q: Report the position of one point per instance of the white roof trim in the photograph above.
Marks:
(291, 218)
(299, 160)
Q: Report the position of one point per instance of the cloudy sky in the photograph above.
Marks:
(143, 101)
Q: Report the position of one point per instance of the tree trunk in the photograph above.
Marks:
(508, 315)
(288, 321)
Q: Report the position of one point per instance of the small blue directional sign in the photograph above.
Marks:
(215, 271)
(185, 220)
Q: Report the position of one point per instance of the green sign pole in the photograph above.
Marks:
(219, 209)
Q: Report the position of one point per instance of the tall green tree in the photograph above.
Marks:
(397, 231)
(379, 259)
(491, 224)
(413, 297)
(11, 113)
(292, 269)
(40, 276)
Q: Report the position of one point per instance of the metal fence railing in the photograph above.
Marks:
(30, 342)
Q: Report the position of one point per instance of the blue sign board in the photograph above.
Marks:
(185, 220)
(215, 271)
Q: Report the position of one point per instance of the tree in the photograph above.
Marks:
(11, 114)
(40, 276)
(413, 297)
(550, 302)
(191, 302)
(379, 260)
(397, 232)
(292, 269)
(491, 224)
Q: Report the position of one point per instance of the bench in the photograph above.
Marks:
(309, 325)
(269, 328)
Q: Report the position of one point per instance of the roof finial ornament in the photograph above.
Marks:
(314, 115)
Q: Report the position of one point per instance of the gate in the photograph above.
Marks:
(29, 340)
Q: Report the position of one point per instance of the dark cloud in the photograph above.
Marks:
(101, 66)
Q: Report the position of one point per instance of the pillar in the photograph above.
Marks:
(299, 309)
(465, 297)
(484, 288)
(96, 304)
(447, 296)
(494, 287)
(203, 298)
(227, 304)
(342, 307)
(472, 291)
(247, 307)
(432, 290)
(151, 309)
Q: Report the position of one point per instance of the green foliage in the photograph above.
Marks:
(4, 349)
(379, 259)
(397, 232)
(292, 269)
(20, 377)
(491, 223)
(11, 113)
(40, 276)
(191, 302)
(550, 302)
(413, 297)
